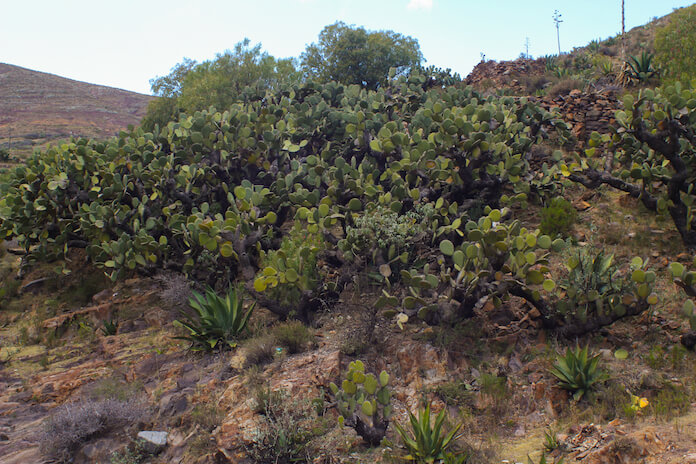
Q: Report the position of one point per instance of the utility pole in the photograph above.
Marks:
(557, 19)
(526, 47)
(623, 31)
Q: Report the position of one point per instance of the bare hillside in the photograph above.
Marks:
(37, 107)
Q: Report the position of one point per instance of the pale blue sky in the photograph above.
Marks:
(126, 43)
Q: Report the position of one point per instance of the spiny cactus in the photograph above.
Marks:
(686, 279)
(210, 194)
(364, 402)
(649, 155)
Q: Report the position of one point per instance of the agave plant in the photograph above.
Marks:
(577, 371)
(426, 444)
(109, 327)
(217, 321)
(550, 63)
(640, 68)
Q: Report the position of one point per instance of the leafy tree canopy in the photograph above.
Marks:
(353, 55)
(675, 43)
(236, 75)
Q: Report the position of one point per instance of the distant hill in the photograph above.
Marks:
(37, 107)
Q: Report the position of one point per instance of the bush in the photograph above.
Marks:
(74, 424)
(286, 429)
(558, 217)
(293, 335)
(674, 45)
(134, 454)
(259, 350)
(564, 86)
(287, 272)
(176, 289)
(382, 234)
(457, 393)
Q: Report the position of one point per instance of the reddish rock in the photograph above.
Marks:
(64, 383)
(300, 376)
(632, 448)
(421, 363)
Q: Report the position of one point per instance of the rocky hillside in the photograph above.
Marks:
(596, 66)
(497, 261)
(37, 107)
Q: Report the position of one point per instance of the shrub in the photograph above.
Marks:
(176, 288)
(217, 321)
(293, 335)
(533, 83)
(558, 217)
(259, 350)
(265, 399)
(207, 415)
(595, 289)
(74, 424)
(382, 234)
(674, 45)
(564, 86)
(292, 269)
(457, 393)
(286, 429)
(134, 454)
(577, 371)
(112, 388)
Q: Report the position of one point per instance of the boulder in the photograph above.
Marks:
(153, 441)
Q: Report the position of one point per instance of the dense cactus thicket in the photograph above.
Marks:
(214, 194)
(651, 155)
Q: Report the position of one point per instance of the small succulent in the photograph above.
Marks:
(109, 327)
(577, 371)
(426, 443)
(218, 321)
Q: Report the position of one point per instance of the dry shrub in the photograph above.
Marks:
(259, 350)
(74, 424)
(533, 83)
(293, 335)
(564, 86)
(176, 289)
(286, 429)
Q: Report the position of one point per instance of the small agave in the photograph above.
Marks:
(577, 371)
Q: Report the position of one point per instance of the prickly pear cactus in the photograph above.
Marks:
(364, 402)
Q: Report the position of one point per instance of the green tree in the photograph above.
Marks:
(240, 74)
(171, 84)
(168, 88)
(675, 44)
(353, 55)
(222, 82)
